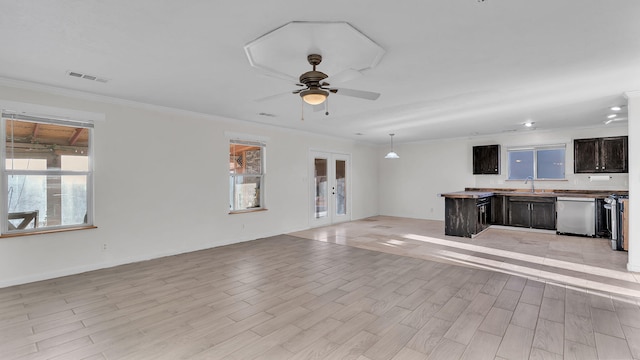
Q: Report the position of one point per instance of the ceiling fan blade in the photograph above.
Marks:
(344, 76)
(276, 96)
(368, 95)
(280, 76)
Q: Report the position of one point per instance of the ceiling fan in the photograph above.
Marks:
(316, 89)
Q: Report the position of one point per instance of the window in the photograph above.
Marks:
(47, 174)
(537, 162)
(246, 175)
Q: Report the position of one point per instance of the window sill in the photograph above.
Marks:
(536, 180)
(246, 211)
(48, 231)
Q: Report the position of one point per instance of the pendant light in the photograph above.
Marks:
(392, 154)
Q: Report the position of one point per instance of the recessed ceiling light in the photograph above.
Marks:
(611, 116)
(529, 124)
(616, 108)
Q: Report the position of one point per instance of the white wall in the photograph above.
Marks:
(161, 188)
(535, 137)
(410, 186)
(633, 263)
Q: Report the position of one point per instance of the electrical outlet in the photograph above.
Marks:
(104, 247)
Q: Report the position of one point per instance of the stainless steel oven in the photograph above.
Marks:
(614, 207)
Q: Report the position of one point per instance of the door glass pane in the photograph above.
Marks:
(341, 189)
(321, 188)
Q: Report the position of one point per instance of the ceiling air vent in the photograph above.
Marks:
(86, 76)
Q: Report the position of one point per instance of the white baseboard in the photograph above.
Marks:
(633, 267)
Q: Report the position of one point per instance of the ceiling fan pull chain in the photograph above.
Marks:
(301, 109)
(326, 107)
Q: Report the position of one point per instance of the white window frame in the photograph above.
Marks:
(535, 149)
(232, 177)
(5, 172)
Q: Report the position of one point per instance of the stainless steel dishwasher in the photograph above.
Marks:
(576, 215)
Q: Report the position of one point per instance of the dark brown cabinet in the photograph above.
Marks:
(486, 160)
(498, 210)
(532, 212)
(466, 216)
(601, 155)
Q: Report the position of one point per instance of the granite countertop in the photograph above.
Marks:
(468, 194)
(477, 193)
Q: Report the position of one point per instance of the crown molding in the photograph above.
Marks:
(89, 96)
(83, 95)
(632, 94)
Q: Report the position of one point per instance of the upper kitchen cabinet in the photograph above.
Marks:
(486, 160)
(601, 155)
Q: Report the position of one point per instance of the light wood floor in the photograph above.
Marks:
(380, 288)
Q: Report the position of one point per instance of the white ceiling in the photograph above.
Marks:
(452, 68)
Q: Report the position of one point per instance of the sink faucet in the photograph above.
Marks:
(532, 187)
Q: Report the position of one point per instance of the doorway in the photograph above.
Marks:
(330, 188)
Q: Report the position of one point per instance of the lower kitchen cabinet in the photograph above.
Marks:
(536, 213)
(498, 210)
(466, 216)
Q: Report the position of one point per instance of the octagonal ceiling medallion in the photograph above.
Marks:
(283, 52)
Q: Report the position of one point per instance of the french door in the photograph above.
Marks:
(330, 188)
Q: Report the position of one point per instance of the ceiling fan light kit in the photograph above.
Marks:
(314, 96)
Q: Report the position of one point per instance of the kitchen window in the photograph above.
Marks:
(47, 174)
(545, 162)
(246, 175)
